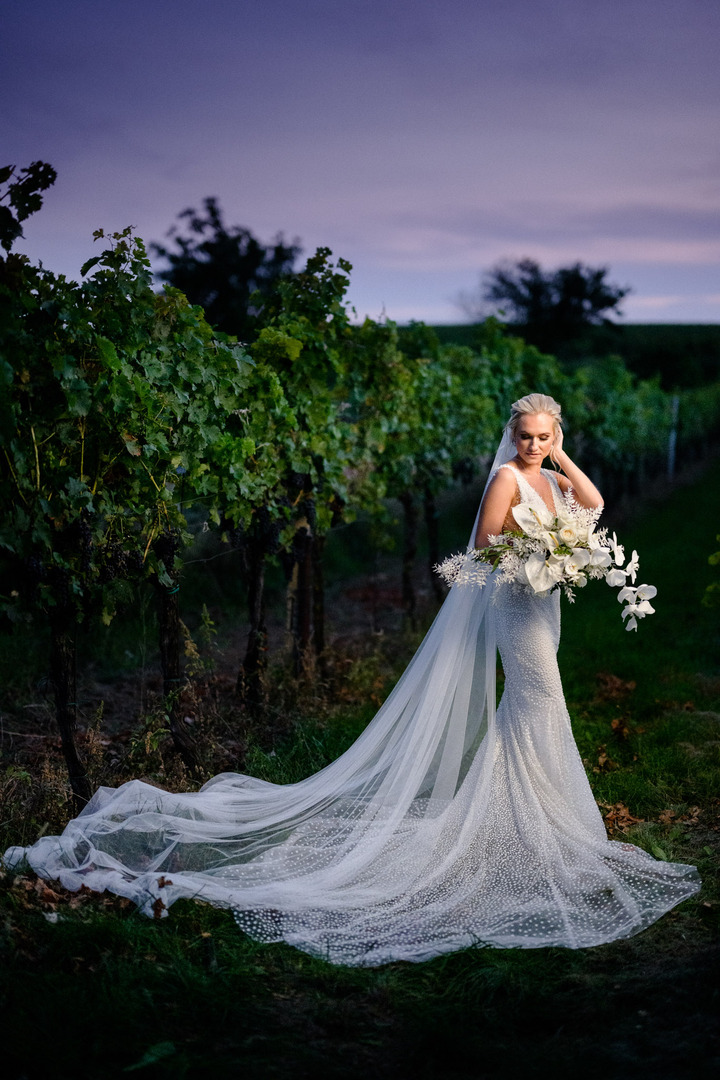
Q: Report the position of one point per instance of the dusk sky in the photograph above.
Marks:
(423, 141)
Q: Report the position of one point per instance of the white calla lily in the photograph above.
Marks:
(533, 521)
(542, 573)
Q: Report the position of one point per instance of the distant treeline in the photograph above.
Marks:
(681, 355)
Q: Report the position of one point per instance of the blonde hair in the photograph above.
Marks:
(533, 405)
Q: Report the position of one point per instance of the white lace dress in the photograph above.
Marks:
(445, 825)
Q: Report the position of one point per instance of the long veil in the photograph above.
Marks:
(316, 862)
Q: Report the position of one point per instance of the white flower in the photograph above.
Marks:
(600, 556)
(529, 558)
(542, 573)
(520, 574)
(646, 592)
(577, 561)
(636, 611)
(568, 535)
(550, 540)
(533, 522)
(618, 550)
(593, 540)
(632, 567)
(638, 604)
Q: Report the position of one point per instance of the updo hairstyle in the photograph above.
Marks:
(533, 405)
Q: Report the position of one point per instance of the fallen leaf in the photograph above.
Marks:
(620, 727)
(618, 817)
(690, 817)
(604, 762)
(611, 687)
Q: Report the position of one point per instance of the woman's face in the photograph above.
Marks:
(534, 438)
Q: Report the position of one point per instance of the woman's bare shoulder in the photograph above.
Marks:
(502, 486)
(503, 480)
(562, 481)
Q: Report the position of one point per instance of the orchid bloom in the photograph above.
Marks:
(600, 556)
(638, 604)
(632, 567)
(577, 561)
(646, 592)
(618, 550)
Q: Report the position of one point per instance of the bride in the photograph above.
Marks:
(447, 824)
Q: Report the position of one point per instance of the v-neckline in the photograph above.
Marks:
(553, 508)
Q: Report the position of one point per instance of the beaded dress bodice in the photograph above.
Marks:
(525, 492)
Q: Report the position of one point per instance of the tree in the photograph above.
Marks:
(549, 308)
(308, 341)
(225, 270)
(115, 404)
(22, 196)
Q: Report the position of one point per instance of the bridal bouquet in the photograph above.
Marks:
(549, 551)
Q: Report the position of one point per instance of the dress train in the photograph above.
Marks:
(445, 825)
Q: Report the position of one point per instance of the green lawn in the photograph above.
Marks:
(91, 989)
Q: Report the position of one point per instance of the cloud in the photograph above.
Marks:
(422, 141)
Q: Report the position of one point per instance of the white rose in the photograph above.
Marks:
(568, 535)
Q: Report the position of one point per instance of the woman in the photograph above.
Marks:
(444, 825)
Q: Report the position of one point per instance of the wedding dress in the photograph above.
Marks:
(445, 825)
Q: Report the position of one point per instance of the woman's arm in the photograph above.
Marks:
(495, 505)
(583, 488)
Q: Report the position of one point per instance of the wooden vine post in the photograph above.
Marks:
(63, 675)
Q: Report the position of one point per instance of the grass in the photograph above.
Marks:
(88, 988)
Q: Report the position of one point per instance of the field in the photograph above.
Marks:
(115, 994)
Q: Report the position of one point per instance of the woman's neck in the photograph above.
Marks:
(524, 467)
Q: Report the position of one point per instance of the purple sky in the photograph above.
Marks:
(421, 140)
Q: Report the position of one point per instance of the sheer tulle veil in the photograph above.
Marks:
(436, 829)
(249, 844)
